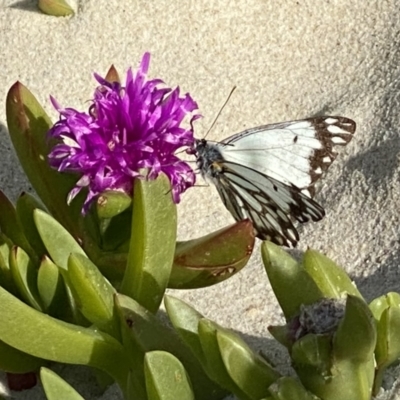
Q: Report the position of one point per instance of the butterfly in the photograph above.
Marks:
(267, 174)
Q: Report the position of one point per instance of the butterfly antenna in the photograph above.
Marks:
(219, 112)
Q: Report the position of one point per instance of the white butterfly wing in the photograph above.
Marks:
(295, 152)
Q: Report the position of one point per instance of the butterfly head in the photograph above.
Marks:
(207, 156)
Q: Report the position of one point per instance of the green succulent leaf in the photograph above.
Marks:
(166, 378)
(56, 8)
(111, 203)
(388, 342)
(51, 339)
(28, 125)
(11, 227)
(51, 288)
(6, 278)
(313, 350)
(24, 274)
(348, 380)
(93, 294)
(291, 283)
(356, 335)
(215, 366)
(331, 279)
(249, 371)
(26, 204)
(185, 319)
(58, 241)
(281, 334)
(386, 310)
(152, 244)
(213, 258)
(288, 388)
(56, 388)
(339, 365)
(380, 304)
(146, 333)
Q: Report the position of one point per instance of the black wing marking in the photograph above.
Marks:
(271, 205)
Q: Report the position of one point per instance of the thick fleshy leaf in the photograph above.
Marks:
(281, 334)
(249, 371)
(356, 335)
(58, 241)
(288, 388)
(93, 294)
(148, 334)
(11, 226)
(56, 388)
(185, 320)
(313, 350)
(388, 342)
(330, 378)
(352, 361)
(213, 258)
(291, 283)
(24, 274)
(381, 303)
(198, 263)
(329, 277)
(56, 8)
(51, 289)
(215, 366)
(166, 378)
(111, 203)
(6, 279)
(152, 245)
(26, 204)
(386, 310)
(28, 125)
(52, 339)
(17, 362)
(347, 380)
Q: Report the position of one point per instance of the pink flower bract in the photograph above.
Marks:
(127, 128)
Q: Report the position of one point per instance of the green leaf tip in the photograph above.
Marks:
(56, 8)
(112, 203)
(166, 378)
(54, 386)
(292, 284)
(356, 334)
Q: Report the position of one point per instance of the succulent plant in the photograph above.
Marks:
(76, 275)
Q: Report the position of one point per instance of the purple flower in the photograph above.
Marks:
(126, 128)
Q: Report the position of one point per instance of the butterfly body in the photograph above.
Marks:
(267, 174)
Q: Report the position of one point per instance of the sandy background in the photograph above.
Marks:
(289, 59)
